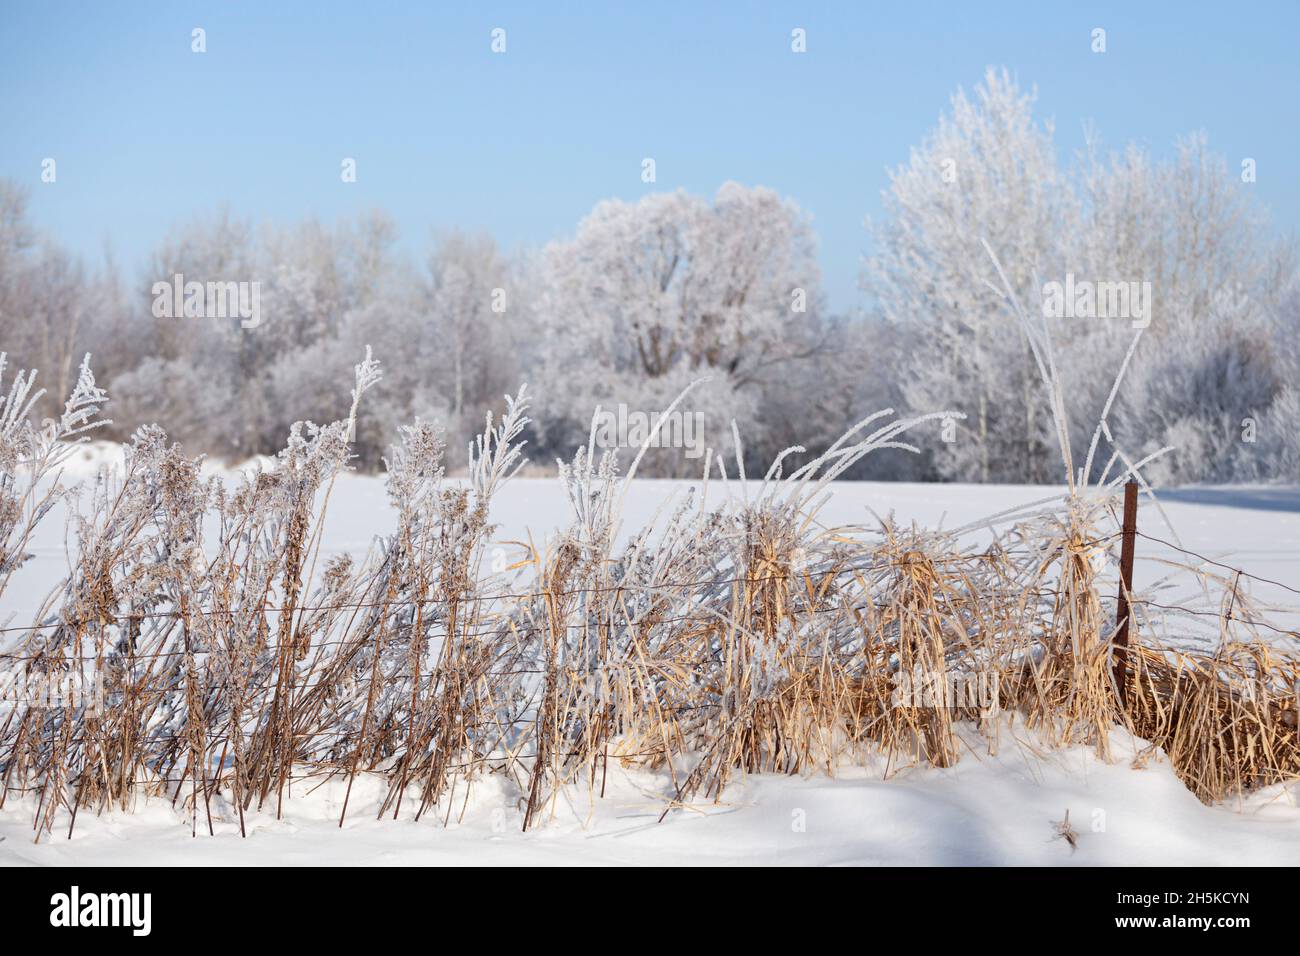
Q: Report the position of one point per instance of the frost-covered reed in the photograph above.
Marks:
(219, 664)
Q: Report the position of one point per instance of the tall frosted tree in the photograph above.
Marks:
(1214, 352)
(1218, 350)
(52, 308)
(987, 172)
(649, 296)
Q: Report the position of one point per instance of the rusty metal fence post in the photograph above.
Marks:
(1122, 611)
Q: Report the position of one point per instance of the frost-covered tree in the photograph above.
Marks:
(475, 308)
(454, 327)
(326, 293)
(853, 374)
(987, 172)
(1215, 352)
(52, 308)
(651, 295)
(234, 391)
(1211, 355)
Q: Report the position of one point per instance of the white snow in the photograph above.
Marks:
(987, 810)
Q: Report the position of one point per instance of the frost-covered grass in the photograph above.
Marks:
(230, 662)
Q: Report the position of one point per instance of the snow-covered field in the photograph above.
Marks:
(1256, 528)
(1000, 809)
(990, 810)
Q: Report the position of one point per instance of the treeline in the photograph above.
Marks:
(646, 297)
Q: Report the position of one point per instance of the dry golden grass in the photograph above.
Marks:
(740, 639)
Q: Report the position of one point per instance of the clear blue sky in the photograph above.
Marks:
(147, 134)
